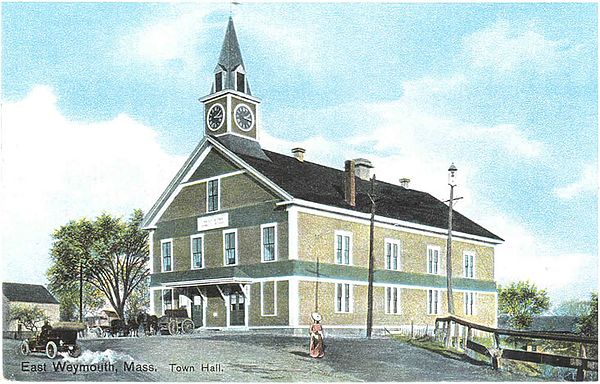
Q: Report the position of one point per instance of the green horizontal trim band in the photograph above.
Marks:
(322, 270)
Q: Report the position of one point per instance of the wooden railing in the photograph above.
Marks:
(456, 332)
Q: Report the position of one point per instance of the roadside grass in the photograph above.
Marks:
(431, 345)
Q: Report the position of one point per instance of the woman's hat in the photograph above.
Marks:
(316, 316)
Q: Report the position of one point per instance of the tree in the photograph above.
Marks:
(68, 297)
(29, 316)
(139, 300)
(521, 301)
(588, 323)
(576, 308)
(108, 253)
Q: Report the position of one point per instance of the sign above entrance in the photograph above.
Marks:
(214, 221)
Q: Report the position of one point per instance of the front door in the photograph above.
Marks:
(198, 311)
(237, 309)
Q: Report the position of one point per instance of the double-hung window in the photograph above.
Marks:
(166, 252)
(469, 303)
(433, 301)
(433, 259)
(469, 263)
(230, 247)
(343, 247)
(197, 247)
(392, 300)
(392, 254)
(343, 297)
(269, 242)
(212, 195)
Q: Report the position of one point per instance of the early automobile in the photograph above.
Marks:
(62, 337)
(175, 321)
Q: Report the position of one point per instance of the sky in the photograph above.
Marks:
(100, 109)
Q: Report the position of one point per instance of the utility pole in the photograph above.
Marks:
(452, 183)
(371, 261)
(80, 290)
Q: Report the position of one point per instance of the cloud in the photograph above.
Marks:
(504, 48)
(565, 274)
(55, 170)
(586, 183)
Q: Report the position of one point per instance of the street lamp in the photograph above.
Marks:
(452, 183)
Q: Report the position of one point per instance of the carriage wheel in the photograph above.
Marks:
(51, 350)
(75, 352)
(25, 348)
(187, 326)
(173, 327)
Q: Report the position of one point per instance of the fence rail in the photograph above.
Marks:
(457, 332)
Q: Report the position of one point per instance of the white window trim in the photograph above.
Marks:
(439, 302)
(218, 179)
(162, 262)
(350, 298)
(222, 81)
(151, 251)
(465, 255)
(239, 69)
(237, 255)
(439, 263)
(342, 233)
(262, 307)
(262, 244)
(399, 263)
(386, 308)
(474, 296)
(200, 236)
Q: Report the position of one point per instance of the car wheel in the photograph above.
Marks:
(75, 352)
(25, 348)
(173, 327)
(187, 326)
(51, 350)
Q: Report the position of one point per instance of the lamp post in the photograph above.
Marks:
(452, 183)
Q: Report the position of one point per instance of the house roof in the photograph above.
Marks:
(325, 185)
(28, 293)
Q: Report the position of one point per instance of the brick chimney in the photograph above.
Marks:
(299, 153)
(363, 168)
(349, 183)
(404, 182)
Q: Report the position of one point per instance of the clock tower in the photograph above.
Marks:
(230, 109)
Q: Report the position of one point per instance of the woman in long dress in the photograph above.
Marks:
(316, 336)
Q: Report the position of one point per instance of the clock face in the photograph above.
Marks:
(215, 117)
(244, 117)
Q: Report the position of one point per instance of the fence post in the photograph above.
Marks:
(412, 329)
(448, 339)
(580, 370)
(456, 335)
(435, 331)
(466, 331)
(496, 353)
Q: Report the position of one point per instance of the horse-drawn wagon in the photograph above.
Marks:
(62, 337)
(175, 321)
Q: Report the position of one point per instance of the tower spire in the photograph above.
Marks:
(230, 64)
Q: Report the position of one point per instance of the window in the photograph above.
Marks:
(343, 293)
(268, 298)
(167, 299)
(241, 82)
(212, 194)
(218, 81)
(469, 303)
(269, 242)
(433, 302)
(166, 251)
(197, 247)
(343, 248)
(392, 254)
(469, 258)
(392, 300)
(433, 259)
(230, 247)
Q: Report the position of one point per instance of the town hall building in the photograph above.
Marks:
(245, 237)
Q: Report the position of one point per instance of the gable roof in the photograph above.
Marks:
(325, 185)
(293, 179)
(28, 293)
